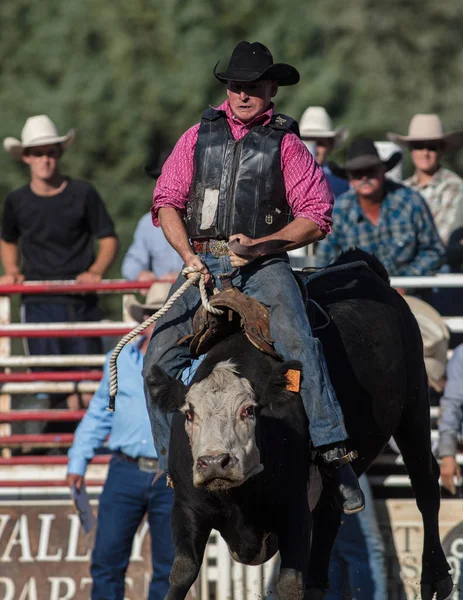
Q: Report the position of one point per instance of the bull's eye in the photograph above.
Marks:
(248, 412)
(189, 414)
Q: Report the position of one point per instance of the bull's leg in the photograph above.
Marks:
(413, 439)
(190, 538)
(326, 519)
(294, 543)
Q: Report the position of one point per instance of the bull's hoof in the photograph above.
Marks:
(314, 594)
(443, 589)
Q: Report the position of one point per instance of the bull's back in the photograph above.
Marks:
(366, 353)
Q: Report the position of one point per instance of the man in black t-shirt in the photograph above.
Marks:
(48, 232)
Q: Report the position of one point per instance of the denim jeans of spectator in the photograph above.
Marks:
(61, 312)
(357, 565)
(127, 496)
(271, 281)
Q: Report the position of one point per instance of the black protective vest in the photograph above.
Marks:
(238, 186)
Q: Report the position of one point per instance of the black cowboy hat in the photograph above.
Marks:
(251, 62)
(363, 154)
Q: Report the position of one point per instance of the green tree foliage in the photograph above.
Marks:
(132, 76)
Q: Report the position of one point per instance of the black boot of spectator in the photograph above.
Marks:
(338, 463)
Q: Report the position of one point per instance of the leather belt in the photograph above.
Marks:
(149, 465)
(216, 247)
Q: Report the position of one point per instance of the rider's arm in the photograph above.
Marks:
(298, 233)
(173, 186)
(307, 189)
(175, 231)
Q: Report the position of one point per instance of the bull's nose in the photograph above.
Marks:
(215, 466)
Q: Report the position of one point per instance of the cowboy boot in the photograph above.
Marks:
(338, 461)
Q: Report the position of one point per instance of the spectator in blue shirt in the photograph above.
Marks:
(150, 255)
(382, 217)
(129, 492)
(450, 430)
(451, 421)
(316, 130)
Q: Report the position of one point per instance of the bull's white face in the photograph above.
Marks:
(220, 415)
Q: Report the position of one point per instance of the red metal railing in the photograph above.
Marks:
(15, 416)
(51, 376)
(15, 469)
(72, 287)
(102, 459)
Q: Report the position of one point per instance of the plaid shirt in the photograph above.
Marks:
(405, 240)
(444, 197)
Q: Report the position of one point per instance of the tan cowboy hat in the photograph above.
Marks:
(435, 340)
(155, 299)
(37, 131)
(316, 123)
(427, 128)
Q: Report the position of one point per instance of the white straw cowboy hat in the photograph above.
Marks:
(37, 131)
(427, 128)
(316, 124)
(155, 299)
(435, 340)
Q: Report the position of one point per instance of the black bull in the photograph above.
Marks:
(374, 353)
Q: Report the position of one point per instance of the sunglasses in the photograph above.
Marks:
(431, 146)
(51, 153)
(370, 173)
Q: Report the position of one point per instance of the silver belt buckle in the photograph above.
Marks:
(148, 465)
(219, 248)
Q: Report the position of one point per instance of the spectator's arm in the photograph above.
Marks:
(137, 258)
(451, 418)
(10, 261)
(107, 251)
(430, 250)
(93, 429)
(9, 244)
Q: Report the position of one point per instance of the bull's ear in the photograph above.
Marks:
(283, 383)
(166, 392)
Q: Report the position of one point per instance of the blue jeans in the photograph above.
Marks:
(127, 495)
(357, 565)
(57, 312)
(270, 281)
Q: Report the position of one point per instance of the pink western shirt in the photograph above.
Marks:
(307, 190)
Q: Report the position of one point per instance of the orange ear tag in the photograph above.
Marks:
(293, 380)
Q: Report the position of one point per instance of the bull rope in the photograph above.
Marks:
(197, 277)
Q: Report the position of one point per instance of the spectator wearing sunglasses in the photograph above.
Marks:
(381, 216)
(441, 188)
